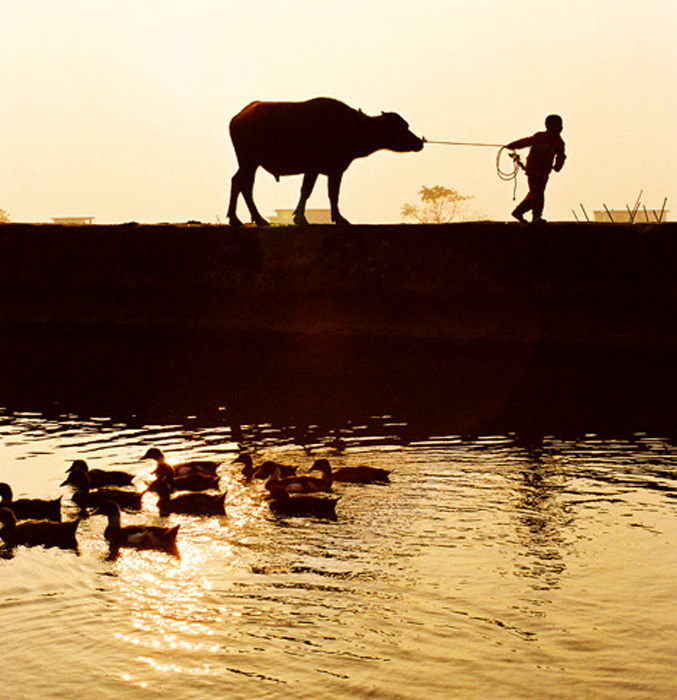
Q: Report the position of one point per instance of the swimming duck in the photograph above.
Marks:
(30, 508)
(187, 503)
(136, 536)
(190, 482)
(354, 475)
(264, 471)
(248, 465)
(269, 467)
(101, 477)
(196, 466)
(281, 503)
(32, 533)
(86, 498)
(300, 484)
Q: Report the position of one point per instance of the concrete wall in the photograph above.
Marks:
(558, 283)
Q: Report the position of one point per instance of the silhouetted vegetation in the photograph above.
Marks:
(439, 205)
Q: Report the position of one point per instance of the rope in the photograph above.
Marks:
(464, 143)
(509, 175)
(505, 175)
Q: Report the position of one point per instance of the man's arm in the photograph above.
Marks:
(560, 157)
(521, 143)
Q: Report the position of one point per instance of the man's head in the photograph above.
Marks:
(553, 123)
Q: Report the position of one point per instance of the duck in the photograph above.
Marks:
(33, 533)
(353, 475)
(30, 508)
(270, 467)
(247, 470)
(187, 503)
(300, 484)
(196, 466)
(135, 536)
(101, 477)
(263, 471)
(282, 504)
(189, 482)
(86, 498)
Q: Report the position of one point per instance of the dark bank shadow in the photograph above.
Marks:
(142, 378)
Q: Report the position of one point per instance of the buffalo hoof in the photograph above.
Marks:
(300, 220)
(234, 222)
(340, 221)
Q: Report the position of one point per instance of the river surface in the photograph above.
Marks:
(526, 546)
(486, 568)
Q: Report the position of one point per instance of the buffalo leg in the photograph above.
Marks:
(235, 190)
(246, 187)
(309, 180)
(333, 186)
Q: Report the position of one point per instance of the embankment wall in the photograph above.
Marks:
(561, 283)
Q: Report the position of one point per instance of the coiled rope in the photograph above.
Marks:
(505, 175)
(509, 175)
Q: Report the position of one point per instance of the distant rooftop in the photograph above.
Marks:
(73, 220)
(623, 216)
(285, 217)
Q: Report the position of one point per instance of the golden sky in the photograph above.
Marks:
(118, 109)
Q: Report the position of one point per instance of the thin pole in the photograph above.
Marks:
(665, 201)
(585, 212)
(609, 213)
(636, 209)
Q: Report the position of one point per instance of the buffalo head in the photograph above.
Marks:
(394, 131)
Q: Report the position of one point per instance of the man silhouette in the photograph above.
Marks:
(546, 153)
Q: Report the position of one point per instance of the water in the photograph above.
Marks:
(491, 566)
(524, 548)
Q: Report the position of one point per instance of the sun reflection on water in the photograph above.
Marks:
(171, 602)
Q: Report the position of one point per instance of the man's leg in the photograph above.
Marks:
(522, 208)
(537, 192)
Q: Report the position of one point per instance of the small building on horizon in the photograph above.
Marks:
(285, 217)
(623, 216)
(73, 220)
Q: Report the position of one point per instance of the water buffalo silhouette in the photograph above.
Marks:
(319, 136)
